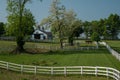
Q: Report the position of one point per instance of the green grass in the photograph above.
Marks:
(8, 46)
(99, 57)
(79, 58)
(115, 45)
(8, 75)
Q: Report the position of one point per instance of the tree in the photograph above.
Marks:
(18, 21)
(87, 28)
(113, 25)
(27, 27)
(2, 30)
(95, 37)
(55, 20)
(102, 27)
(69, 23)
(63, 22)
(74, 31)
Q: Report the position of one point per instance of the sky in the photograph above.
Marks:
(86, 10)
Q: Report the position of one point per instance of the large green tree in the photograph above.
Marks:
(63, 22)
(56, 20)
(95, 37)
(27, 27)
(87, 28)
(74, 30)
(69, 23)
(20, 21)
(113, 25)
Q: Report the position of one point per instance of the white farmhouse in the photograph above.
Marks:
(41, 35)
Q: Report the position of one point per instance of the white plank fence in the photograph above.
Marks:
(89, 70)
(112, 51)
(51, 47)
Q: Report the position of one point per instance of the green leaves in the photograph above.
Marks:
(20, 22)
(27, 24)
(95, 37)
(113, 25)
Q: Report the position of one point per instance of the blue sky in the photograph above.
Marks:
(85, 9)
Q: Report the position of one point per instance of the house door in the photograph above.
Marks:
(37, 36)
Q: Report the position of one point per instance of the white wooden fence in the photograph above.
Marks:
(51, 47)
(89, 70)
(112, 51)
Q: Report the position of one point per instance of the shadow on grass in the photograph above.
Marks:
(101, 50)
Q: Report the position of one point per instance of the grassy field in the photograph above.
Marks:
(8, 75)
(79, 58)
(100, 57)
(8, 46)
(115, 45)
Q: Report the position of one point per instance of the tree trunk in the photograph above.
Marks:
(70, 40)
(20, 43)
(61, 43)
(20, 38)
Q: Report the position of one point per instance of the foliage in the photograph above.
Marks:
(78, 30)
(55, 20)
(18, 23)
(27, 24)
(63, 22)
(106, 28)
(113, 25)
(75, 30)
(87, 28)
(2, 30)
(95, 37)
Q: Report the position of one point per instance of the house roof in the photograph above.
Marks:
(41, 32)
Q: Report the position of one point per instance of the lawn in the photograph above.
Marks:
(114, 44)
(8, 46)
(100, 57)
(8, 75)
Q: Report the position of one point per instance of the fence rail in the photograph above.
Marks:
(112, 51)
(90, 70)
(51, 47)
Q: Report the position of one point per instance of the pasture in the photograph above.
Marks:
(100, 57)
(8, 75)
(59, 58)
(114, 44)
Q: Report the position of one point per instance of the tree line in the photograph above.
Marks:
(65, 24)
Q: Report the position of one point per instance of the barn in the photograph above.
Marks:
(41, 35)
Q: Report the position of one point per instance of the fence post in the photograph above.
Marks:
(119, 76)
(7, 65)
(81, 70)
(96, 71)
(35, 70)
(51, 70)
(21, 68)
(65, 71)
(119, 57)
(107, 73)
